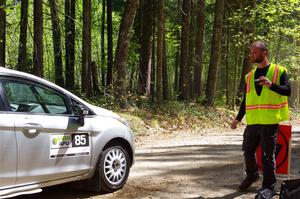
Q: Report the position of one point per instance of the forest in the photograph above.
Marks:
(128, 52)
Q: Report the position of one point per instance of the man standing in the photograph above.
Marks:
(265, 105)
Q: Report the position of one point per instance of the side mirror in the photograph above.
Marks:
(81, 112)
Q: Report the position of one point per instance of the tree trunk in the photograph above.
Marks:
(70, 42)
(153, 60)
(2, 32)
(190, 68)
(121, 55)
(177, 58)
(38, 66)
(146, 48)
(278, 45)
(159, 55)
(86, 49)
(294, 98)
(136, 36)
(184, 55)
(102, 43)
(177, 62)
(165, 70)
(249, 30)
(22, 57)
(236, 61)
(215, 53)
(95, 78)
(227, 62)
(57, 51)
(199, 48)
(109, 43)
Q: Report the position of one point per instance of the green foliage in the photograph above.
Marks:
(276, 21)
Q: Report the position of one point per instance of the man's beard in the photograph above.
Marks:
(258, 60)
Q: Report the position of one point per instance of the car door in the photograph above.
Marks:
(8, 150)
(50, 143)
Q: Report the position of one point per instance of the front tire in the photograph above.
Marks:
(114, 168)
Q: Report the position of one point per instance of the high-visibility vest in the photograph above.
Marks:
(269, 107)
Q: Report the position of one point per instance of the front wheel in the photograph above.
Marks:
(114, 168)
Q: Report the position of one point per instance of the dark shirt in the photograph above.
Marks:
(283, 89)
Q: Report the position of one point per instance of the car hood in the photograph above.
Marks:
(104, 112)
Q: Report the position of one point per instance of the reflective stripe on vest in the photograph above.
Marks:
(267, 106)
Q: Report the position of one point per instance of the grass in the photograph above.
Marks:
(175, 116)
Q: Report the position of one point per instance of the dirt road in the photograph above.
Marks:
(184, 165)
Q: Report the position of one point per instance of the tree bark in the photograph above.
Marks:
(249, 30)
(95, 78)
(153, 58)
(159, 55)
(146, 48)
(22, 57)
(70, 42)
(184, 55)
(198, 90)
(177, 65)
(38, 64)
(86, 49)
(190, 68)
(121, 55)
(109, 43)
(165, 72)
(57, 50)
(102, 43)
(215, 53)
(2, 32)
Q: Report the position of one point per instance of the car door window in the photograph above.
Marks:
(24, 97)
(20, 97)
(55, 103)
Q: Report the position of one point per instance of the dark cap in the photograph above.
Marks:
(261, 45)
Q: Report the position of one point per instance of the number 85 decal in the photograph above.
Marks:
(80, 139)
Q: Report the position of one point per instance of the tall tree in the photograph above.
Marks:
(38, 45)
(121, 55)
(191, 52)
(153, 58)
(184, 54)
(177, 57)
(215, 53)
(22, 57)
(102, 43)
(86, 49)
(249, 31)
(57, 50)
(146, 48)
(70, 42)
(165, 76)
(2, 32)
(200, 7)
(159, 52)
(95, 78)
(109, 43)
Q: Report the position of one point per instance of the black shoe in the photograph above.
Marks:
(247, 182)
(265, 194)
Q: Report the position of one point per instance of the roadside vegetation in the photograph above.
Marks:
(174, 116)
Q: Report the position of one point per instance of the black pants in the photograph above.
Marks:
(266, 136)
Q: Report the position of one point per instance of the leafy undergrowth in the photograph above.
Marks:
(174, 116)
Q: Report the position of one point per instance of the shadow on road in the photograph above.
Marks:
(200, 171)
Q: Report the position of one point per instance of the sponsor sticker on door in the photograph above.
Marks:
(69, 145)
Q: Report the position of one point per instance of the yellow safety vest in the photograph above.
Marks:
(269, 107)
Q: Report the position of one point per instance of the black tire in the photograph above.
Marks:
(114, 168)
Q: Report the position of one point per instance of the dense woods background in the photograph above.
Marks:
(149, 50)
